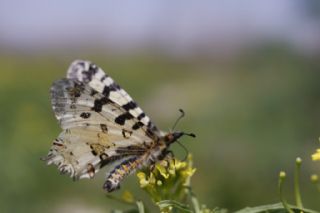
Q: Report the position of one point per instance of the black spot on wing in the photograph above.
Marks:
(121, 119)
(151, 129)
(142, 115)
(115, 86)
(106, 91)
(93, 69)
(129, 105)
(104, 128)
(88, 74)
(94, 152)
(103, 156)
(93, 92)
(75, 90)
(137, 125)
(98, 103)
(150, 133)
(85, 115)
(103, 78)
(126, 133)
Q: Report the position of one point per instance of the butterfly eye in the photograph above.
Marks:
(169, 138)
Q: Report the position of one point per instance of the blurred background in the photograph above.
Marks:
(246, 73)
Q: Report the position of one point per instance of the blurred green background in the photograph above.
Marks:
(254, 104)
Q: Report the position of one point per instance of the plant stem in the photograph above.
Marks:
(195, 204)
(296, 183)
(282, 177)
(140, 206)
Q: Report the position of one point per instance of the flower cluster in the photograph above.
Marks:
(168, 180)
(168, 184)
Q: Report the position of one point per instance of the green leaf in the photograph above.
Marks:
(167, 203)
(274, 208)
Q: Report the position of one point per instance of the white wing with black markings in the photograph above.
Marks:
(101, 123)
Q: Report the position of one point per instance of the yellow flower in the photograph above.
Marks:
(162, 170)
(142, 179)
(152, 179)
(188, 172)
(165, 175)
(146, 181)
(168, 183)
(179, 164)
(316, 156)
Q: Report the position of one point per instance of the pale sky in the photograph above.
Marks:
(171, 24)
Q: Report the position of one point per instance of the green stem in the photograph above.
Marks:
(195, 204)
(193, 198)
(282, 177)
(188, 190)
(296, 183)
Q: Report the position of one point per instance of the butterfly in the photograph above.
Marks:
(102, 126)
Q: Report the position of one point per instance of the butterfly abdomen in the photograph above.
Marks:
(145, 159)
(121, 171)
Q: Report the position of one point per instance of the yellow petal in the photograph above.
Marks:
(188, 172)
(141, 175)
(143, 183)
(152, 179)
(142, 179)
(162, 171)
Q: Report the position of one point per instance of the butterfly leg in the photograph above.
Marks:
(166, 155)
(169, 154)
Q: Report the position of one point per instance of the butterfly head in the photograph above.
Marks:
(174, 136)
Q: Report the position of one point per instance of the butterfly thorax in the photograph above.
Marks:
(159, 149)
(172, 137)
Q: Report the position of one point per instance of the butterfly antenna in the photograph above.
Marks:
(178, 119)
(185, 149)
(190, 134)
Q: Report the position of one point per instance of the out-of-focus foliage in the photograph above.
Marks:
(252, 114)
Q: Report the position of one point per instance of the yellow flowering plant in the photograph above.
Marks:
(168, 184)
